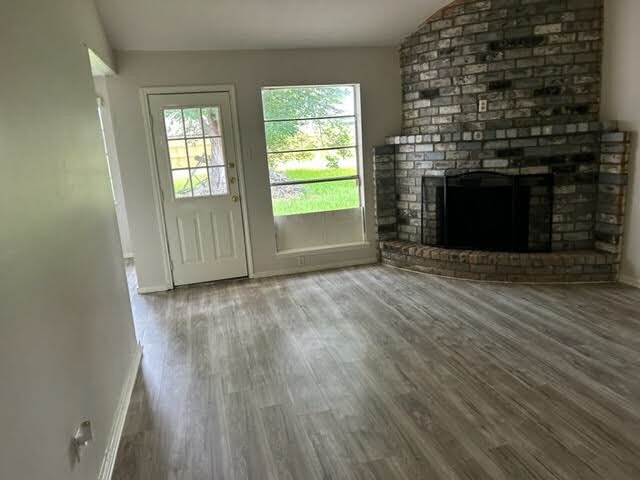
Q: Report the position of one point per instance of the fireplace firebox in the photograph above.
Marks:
(483, 210)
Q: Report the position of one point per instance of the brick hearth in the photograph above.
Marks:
(556, 267)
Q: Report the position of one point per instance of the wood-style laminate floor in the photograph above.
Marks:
(379, 373)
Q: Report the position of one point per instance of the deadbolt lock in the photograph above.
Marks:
(235, 198)
(232, 180)
(232, 165)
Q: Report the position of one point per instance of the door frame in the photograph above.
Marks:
(145, 92)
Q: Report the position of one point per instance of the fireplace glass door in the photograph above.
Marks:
(488, 211)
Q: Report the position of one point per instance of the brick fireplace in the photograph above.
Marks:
(504, 89)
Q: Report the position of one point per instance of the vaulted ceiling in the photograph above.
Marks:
(259, 24)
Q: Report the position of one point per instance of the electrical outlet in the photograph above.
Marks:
(300, 261)
(79, 441)
(482, 106)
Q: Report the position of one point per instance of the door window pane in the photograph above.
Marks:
(181, 183)
(192, 122)
(215, 155)
(200, 182)
(173, 123)
(218, 180)
(211, 121)
(197, 156)
(178, 154)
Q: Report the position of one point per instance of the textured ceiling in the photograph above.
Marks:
(259, 24)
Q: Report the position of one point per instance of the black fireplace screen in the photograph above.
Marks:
(488, 211)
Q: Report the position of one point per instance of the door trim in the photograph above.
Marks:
(145, 92)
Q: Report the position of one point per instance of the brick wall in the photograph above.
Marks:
(535, 62)
(385, 188)
(612, 181)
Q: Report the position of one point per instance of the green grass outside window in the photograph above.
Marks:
(315, 197)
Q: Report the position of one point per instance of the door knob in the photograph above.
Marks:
(235, 198)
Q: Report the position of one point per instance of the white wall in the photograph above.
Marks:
(621, 101)
(66, 335)
(114, 166)
(375, 69)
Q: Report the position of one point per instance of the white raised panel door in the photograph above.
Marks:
(197, 169)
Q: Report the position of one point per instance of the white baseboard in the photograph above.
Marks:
(314, 268)
(339, 248)
(154, 289)
(108, 462)
(628, 280)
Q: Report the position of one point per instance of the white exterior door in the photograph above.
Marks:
(197, 169)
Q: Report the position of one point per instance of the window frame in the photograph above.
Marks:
(357, 117)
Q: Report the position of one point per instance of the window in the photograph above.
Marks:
(196, 153)
(313, 148)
